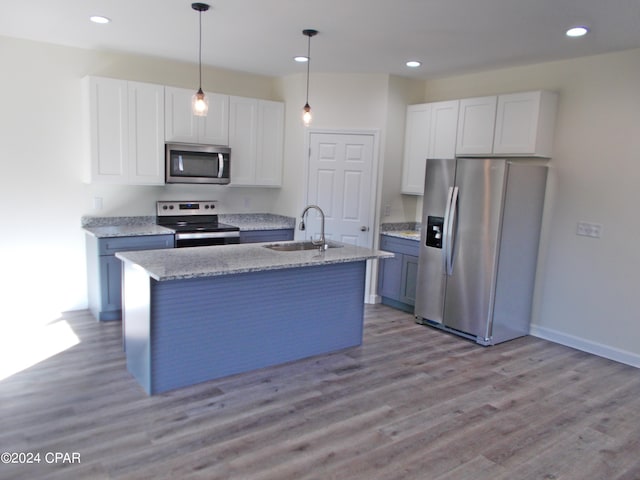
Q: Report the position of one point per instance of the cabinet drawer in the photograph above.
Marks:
(399, 245)
(109, 246)
(256, 236)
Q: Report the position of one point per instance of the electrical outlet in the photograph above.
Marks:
(587, 229)
(97, 203)
(387, 210)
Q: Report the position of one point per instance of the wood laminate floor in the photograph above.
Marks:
(410, 403)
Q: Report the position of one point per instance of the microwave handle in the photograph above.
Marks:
(220, 165)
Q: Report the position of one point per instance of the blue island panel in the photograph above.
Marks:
(206, 328)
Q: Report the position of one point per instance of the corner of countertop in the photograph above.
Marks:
(400, 226)
(407, 230)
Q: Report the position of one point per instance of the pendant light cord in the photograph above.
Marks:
(308, 65)
(200, 50)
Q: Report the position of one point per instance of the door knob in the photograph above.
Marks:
(364, 229)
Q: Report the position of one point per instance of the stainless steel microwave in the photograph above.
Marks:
(189, 163)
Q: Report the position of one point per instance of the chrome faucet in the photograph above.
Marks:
(320, 243)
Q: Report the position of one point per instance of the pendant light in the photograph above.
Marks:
(199, 102)
(306, 111)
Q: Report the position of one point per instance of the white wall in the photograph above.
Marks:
(587, 289)
(347, 102)
(401, 208)
(42, 196)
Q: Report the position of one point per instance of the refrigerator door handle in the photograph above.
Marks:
(453, 212)
(445, 231)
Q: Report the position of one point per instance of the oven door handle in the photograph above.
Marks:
(203, 235)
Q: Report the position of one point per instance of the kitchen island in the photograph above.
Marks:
(195, 314)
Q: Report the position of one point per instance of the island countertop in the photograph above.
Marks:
(195, 262)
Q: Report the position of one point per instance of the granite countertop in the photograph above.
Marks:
(195, 262)
(105, 227)
(128, 230)
(407, 230)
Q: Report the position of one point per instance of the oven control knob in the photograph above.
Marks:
(164, 207)
(170, 207)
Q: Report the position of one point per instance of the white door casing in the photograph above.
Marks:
(341, 179)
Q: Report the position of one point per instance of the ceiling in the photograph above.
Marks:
(355, 36)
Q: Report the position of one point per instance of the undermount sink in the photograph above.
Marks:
(297, 246)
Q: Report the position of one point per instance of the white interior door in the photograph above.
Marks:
(341, 182)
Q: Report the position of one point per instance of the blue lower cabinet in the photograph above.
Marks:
(257, 236)
(104, 270)
(182, 332)
(397, 276)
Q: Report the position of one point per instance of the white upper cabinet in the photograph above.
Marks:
(443, 129)
(416, 148)
(181, 125)
(243, 123)
(146, 133)
(525, 124)
(430, 133)
(476, 123)
(256, 139)
(126, 134)
(128, 124)
(270, 138)
(518, 124)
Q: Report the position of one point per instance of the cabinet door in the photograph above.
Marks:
(146, 133)
(110, 283)
(108, 129)
(112, 245)
(214, 128)
(270, 143)
(389, 277)
(416, 148)
(525, 124)
(181, 124)
(476, 123)
(408, 279)
(243, 121)
(256, 236)
(443, 128)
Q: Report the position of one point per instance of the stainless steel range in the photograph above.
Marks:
(195, 223)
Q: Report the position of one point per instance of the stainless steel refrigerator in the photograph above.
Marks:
(481, 222)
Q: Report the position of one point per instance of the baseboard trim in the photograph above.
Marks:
(616, 354)
(372, 299)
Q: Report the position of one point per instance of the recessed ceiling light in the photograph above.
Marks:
(301, 59)
(578, 31)
(99, 19)
(413, 64)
